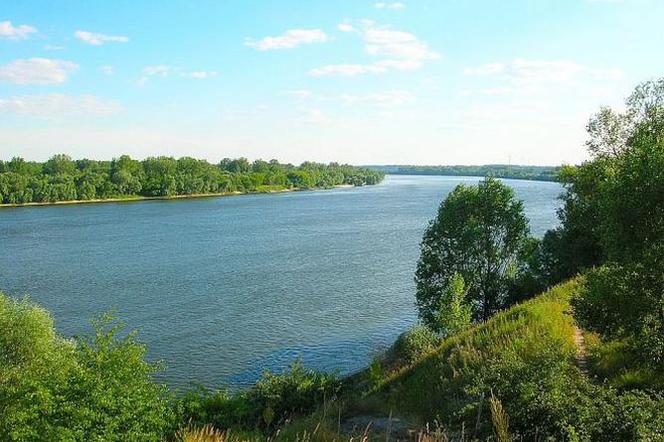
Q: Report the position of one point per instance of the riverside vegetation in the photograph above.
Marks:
(537, 173)
(62, 179)
(520, 339)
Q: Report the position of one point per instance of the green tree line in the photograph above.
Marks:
(63, 179)
(537, 173)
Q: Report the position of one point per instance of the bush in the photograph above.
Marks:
(625, 302)
(96, 388)
(413, 344)
(273, 400)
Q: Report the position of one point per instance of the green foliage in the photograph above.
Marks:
(200, 406)
(273, 400)
(454, 313)
(61, 179)
(538, 173)
(97, 388)
(34, 368)
(297, 391)
(479, 233)
(413, 344)
(525, 357)
(115, 395)
(626, 302)
(617, 363)
(613, 207)
(375, 372)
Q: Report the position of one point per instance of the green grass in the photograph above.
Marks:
(615, 362)
(524, 356)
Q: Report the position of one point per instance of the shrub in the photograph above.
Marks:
(219, 408)
(96, 388)
(413, 344)
(273, 400)
(277, 397)
(625, 302)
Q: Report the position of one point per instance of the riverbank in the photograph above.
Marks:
(138, 198)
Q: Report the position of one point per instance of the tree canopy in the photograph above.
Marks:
(478, 233)
(63, 179)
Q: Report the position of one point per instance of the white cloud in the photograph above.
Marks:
(202, 75)
(378, 67)
(346, 70)
(390, 98)
(161, 69)
(398, 50)
(490, 91)
(393, 5)
(95, 39)
(39, 71)
(396, 44)
(289, 39)
(107, 69)
(164, 70)
(534, 73)
(11, 32)
(58, 105)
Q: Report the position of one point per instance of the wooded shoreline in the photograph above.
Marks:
(139, 198)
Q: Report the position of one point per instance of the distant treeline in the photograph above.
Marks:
(539, 173)
(63, 179)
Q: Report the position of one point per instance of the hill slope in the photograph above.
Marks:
(526, 357)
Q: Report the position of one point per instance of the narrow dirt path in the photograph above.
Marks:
(581, 353)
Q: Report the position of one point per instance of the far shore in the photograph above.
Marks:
(171, 197)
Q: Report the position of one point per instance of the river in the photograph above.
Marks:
(221, 288)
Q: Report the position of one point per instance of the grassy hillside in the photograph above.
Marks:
(497, 354)
(525, 359)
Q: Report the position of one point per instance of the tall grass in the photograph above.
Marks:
(521, 355)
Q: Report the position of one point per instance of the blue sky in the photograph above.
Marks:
(364, 82)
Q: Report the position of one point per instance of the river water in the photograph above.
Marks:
(221, 288)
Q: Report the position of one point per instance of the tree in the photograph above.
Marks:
(60, 165)
(612, 203)
(479, 233)
(126, 175)
(56, 389)
(454, 313)
(612, 226)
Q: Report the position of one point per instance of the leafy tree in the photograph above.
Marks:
(625, 297)
(454, 313)
(240, 165)
(113, 388)
(479, 233)
(126, 174)
(96, 388)
(159, 176)
(60, 165)
(34, 367)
